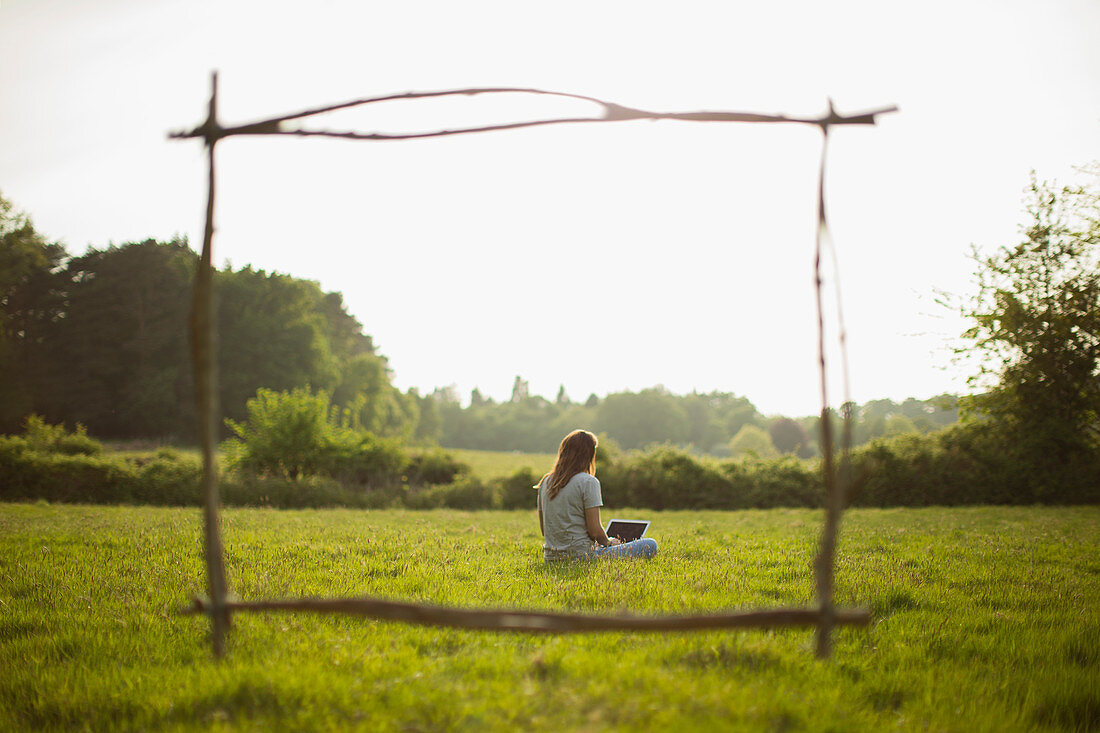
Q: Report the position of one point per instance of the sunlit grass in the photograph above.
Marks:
(985, 619)
(490, 464)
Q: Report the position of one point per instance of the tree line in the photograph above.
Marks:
(101, 339)
(712, 423)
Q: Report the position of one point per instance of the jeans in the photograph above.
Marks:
(645, 547)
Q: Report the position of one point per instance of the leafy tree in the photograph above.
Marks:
(298, 433)
(31, 301)
(636, 420)
(1036, 327)
(429, 425)
(752, 440)
(120, 358)
(900, 425)
(270, 337)
(788, 436)
(520, 390)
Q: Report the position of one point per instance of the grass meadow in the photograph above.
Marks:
(491, 464)
(984, 619)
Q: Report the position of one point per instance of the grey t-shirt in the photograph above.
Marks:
(563, 522)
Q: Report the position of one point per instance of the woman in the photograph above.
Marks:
(569, 507)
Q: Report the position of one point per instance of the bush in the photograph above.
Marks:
(666, 478)
(30, 474)
(366, 461)
(298, 433)
(517, 492)
(287, 434)
(46, 438)
(786, 482)
(467, 493)
(435, 467)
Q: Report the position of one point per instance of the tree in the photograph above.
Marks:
(788, 436)
(31, 302)
(752, 440)
(119, 360)
(520, 390)
(272, 333)
(1036, 329)
(636, 420)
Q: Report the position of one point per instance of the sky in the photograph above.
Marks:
(601, 257)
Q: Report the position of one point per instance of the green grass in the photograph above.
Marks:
(984, 619)
(490, 464)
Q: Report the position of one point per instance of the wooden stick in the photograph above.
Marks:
(611, 112)
(205, 365)
(827, 551)
(535, 621)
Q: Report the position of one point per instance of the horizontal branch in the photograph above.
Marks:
(538, 621)
(611, 112)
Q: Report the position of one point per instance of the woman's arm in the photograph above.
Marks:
(595, 527)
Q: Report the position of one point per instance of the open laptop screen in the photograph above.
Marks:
(627, 530)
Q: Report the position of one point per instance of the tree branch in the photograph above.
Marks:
(611, 112)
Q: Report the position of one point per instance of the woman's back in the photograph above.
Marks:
(564, 526)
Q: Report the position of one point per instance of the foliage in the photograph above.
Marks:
(30, 304)
(704, 421)
(119, 359)
(102, 339)
(1036, 327)
(299, 433)
(435, 466)
(46, 438)
(468, 492)
(647, 417)
(788, 436)
(980, 621)
(962, 465)
(752, 440)
(518, 490)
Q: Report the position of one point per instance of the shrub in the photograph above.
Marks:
(365, 460)
(467, 493)
(666, 478)
(288, 434)
(786, 482)
(30, 474)
(435, 467)
(298, 433)
(41, 436)
(517, 492)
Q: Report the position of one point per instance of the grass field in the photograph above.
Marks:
(984, 619)
(490, 464)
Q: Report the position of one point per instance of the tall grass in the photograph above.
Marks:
(984, 619)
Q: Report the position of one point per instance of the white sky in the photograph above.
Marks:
(601, 257)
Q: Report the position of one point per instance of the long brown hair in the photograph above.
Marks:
(576, 454)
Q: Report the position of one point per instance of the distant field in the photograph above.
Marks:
(984, 619)
(489, 464)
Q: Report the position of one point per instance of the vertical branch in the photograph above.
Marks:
(205, 366)
(827, 551)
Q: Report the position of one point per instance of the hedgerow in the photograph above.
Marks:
(964, 464)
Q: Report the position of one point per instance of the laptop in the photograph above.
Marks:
(627, 530)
